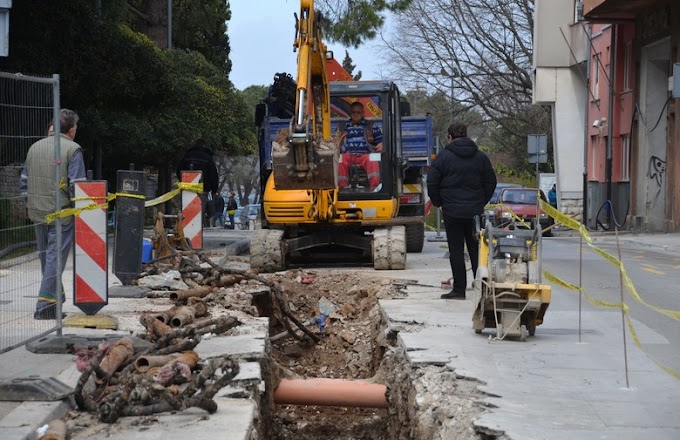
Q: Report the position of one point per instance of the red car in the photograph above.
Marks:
(522, 202)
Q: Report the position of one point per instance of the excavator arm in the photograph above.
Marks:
(309, 159)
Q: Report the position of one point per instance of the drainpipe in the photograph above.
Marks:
(610, 123)
(331, 392)
(584, 219)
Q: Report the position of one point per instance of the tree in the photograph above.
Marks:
(349, 67)
(198, 25)
(201, 25)
(485, 47)
(351, 22)
(141, 104)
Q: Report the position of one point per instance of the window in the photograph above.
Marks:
(627, 66)
(625, 158)
(596, 77)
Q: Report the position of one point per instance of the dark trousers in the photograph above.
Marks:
(459, 232)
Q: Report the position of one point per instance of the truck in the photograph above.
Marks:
(305, 213)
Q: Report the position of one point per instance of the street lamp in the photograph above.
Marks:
(451, 75)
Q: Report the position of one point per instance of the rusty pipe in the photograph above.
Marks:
(119, 352)
(186, 314)
(190, 358)
(143, 363)
(331, 392)
(154, 326)
(183, 295)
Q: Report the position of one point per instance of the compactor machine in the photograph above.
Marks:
(508, 293)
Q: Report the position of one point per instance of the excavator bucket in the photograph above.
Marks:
(305, 164)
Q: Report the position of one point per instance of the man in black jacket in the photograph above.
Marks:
(200, 158)
(461, 181)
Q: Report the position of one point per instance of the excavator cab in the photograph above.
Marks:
(366, 173)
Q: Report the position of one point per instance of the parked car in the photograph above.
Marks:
(522, 202)
(489, 209)
(248, 214)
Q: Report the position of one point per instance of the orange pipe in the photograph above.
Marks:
(331, 392)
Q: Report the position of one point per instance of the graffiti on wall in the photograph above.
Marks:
(656, 169)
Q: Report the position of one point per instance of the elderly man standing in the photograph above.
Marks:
(39, 183)
(461, 181)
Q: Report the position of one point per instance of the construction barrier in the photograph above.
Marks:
(192, 211)
(91, 279)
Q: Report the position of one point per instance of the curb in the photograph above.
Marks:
(22, 423)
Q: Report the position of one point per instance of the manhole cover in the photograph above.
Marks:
(34, 388)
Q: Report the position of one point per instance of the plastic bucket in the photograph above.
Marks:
(147, 250)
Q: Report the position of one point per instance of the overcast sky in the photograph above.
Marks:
(261, 34)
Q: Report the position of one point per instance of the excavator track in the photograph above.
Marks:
(266, 250)
(389, 248)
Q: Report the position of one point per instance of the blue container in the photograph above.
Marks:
(147, 250)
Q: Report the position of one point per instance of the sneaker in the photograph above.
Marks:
(453, 295)
(377, 188)
(48, 312)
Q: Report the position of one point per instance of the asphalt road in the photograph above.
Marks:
(656, 278)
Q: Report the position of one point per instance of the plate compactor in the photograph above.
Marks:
(508, 294)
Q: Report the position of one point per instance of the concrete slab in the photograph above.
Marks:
(246, 345)
(128, 292)
(232, 421)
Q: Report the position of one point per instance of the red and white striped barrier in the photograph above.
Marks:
(192, 211)
(91, 250)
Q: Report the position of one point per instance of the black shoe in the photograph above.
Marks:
(48, 312)
(453, 295)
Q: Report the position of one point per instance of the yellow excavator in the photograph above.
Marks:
(305, 213)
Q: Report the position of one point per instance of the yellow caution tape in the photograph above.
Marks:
(515, 216)
(132, 196)
(599, 303)
(596, 302)
(193, 187)
(181, 186)
(73, 211)
(627, 281)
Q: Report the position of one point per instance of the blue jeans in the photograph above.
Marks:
(217, 216)
(46, 241)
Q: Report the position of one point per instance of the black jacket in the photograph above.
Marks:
(200, 158)
(231, 204)
(461, 179)
(219, 203)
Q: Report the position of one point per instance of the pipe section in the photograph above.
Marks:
(331, 392)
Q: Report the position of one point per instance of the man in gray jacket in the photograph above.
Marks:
(38, 182)
(461, 181)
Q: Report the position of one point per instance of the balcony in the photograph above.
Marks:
(607, 10)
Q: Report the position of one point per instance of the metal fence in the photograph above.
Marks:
(28, 105)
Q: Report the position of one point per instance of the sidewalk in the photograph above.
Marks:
(237, 410)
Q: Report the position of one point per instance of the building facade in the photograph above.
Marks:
(631, 157)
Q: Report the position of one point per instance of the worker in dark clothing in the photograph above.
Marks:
(218, 214)
(200, 158)
(461, 181)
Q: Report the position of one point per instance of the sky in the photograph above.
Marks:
(261, 34)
